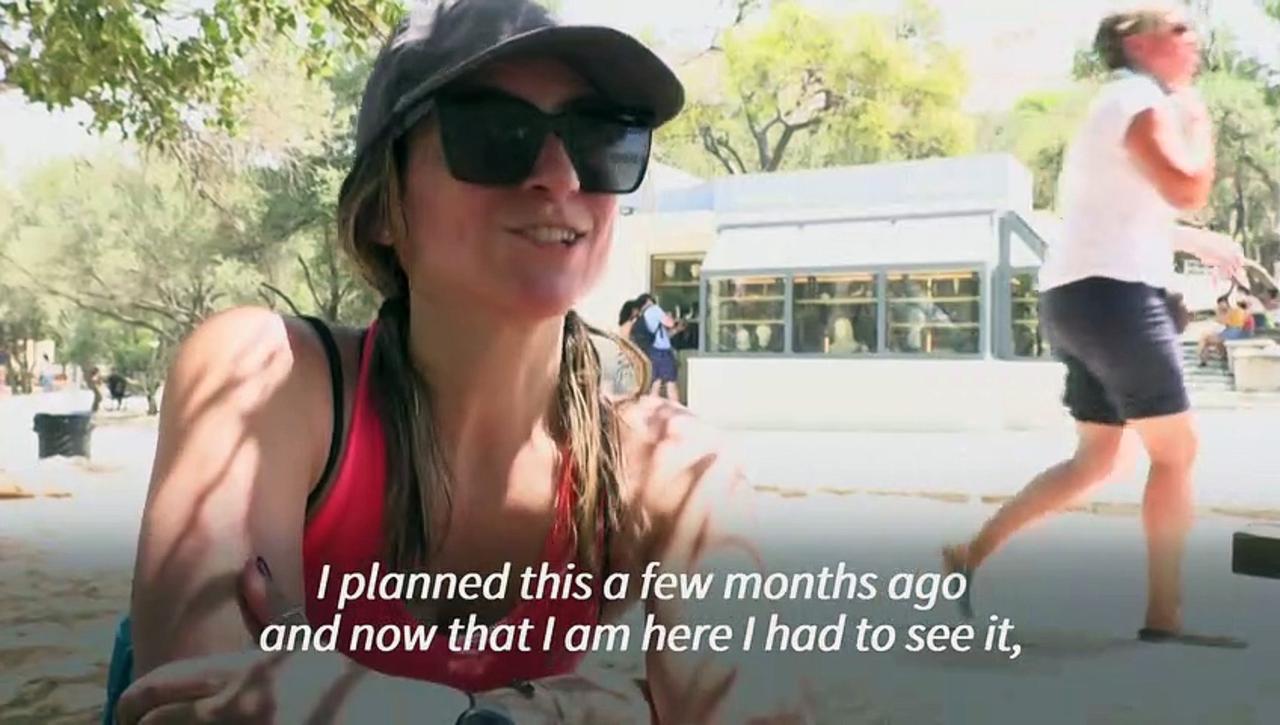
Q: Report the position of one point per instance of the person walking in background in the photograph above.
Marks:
(1143, 156)
(652, 333)
(93, 381)
(117, 388)
(44, 373)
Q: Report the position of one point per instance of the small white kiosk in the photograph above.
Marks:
(891, 295)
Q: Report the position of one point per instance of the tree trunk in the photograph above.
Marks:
(20, 376)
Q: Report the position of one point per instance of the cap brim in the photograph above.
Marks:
(616, 64)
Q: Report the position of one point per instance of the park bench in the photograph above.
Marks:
(1254, 364)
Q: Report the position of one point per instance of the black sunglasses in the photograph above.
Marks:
(494, 139)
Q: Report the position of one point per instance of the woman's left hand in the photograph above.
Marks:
(240, 687)
(253, 686)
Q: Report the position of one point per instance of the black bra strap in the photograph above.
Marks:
(335, 378)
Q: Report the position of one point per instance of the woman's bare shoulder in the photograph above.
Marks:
(251, 373)
(247, 357)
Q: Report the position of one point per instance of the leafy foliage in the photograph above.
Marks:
(1037, 131)
(805, 90)
(151, 67)
(172, 235)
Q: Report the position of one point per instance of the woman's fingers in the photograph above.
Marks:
(179, 713)
(177, 683)
(234, 687)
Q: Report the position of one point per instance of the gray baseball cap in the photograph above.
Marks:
(443, 40)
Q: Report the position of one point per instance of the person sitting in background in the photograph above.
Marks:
(1233, 319)
(1267, 314)
(1257, 316)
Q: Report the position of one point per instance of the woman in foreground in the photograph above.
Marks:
(465, 428)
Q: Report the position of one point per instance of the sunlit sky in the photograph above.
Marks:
(1012, 46)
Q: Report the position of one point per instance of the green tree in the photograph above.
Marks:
(209, 220)
(299, 211)
(24, 317)
(1037, 131)
(1246, 195)
(805, 89)
(145, 252)
(147, 67)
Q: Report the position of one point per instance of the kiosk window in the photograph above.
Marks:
(746, 315)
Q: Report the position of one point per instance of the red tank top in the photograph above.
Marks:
(346, 532)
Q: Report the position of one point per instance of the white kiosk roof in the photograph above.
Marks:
(935, 234)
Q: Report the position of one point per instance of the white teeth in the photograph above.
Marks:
(551, 235)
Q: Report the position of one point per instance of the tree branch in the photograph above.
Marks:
(784, 139)
(347, 10)
(744, 7)
(759, 135)
(297, 226)
(719, 148)
(78, 302)
(1260, 169)
(311, 286)
(170, 311)
(335, 283)
(277, 291)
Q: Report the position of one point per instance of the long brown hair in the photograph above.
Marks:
(586, 425)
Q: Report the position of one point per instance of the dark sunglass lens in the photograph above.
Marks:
(609, 156)
(490, 141)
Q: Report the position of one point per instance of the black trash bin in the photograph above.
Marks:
(63, 434)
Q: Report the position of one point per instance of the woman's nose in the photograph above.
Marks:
(553, 172)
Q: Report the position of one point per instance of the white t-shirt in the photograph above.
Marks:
(1115, 223)
(653, 317)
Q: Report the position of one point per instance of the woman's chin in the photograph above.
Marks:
(549, 295)
(540, 307)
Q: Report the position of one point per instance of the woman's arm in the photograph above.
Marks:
(1214, 249)
(240, 388)
(1179, 165)
(243, 431)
